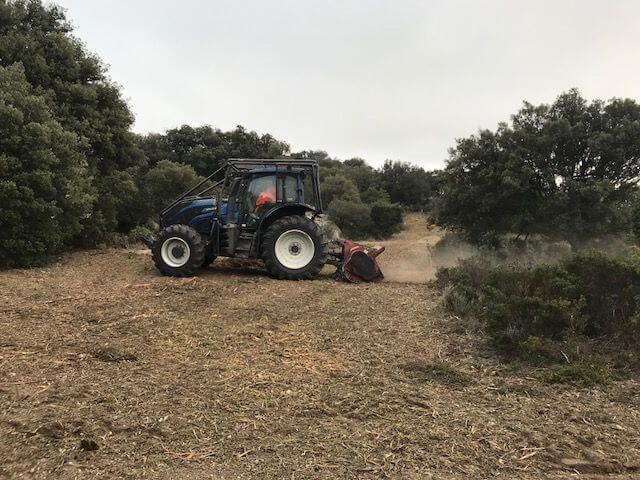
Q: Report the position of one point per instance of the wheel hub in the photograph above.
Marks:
(294, 249)
(175, 252)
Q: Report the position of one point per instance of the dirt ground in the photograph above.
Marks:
(108, 370)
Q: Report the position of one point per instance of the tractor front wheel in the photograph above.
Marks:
(293, 248)
(179, 251)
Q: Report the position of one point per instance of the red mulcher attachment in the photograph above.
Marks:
(356, 263)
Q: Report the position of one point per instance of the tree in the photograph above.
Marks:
(164, 182)
(317, 155)
(338, 187)
(205, 148)
(635, 214)
(45, 190)
(486, 190)
(375, 195)
(81, 99)
(362, 175)
(386, 219)
(567, 170)
(407, 184)
(396, 182)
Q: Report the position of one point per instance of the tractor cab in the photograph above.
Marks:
(259, 192)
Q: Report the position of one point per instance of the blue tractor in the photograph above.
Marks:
(268, 213)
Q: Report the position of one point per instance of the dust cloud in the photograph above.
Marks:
(409, 270)
(407, 258)
(416, 253)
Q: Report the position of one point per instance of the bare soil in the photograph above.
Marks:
(109, 370)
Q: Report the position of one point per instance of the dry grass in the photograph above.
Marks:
(108, 370)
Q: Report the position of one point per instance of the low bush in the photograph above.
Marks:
(357, 220)
(354, 219)
(581, 375)
(611, 288)
(471, 272)
(386, 219)
(589, 294)
(139, 234)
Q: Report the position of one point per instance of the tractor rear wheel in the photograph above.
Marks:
(178, 251)
(293, 248)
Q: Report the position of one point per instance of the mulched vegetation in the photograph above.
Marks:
(108, 370)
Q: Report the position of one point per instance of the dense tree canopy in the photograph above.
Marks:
(165, 182)
(566, 170)
(407, 184)
(44, 188)
(81, 99)
(205, 148)
(338, 187)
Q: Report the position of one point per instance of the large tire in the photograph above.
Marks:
(178, 251)
(293, 248)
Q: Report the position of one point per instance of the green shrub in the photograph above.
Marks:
(542, 301)
(375, 195)
(611, 288)
(354, 219)
(462, 299)
(513, 320)
(581, 375)
(166, 181)
(137, 234)
(45, 187)
(589, 294)
(338, 187)
(471, 272)
(386, 219)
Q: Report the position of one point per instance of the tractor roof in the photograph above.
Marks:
(276, 170)
(270, 164)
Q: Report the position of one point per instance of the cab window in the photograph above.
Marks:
(260, 196)
(308, 192)
(288, 189)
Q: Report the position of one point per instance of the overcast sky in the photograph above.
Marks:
(394, 79)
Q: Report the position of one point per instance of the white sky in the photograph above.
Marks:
(377, 79)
